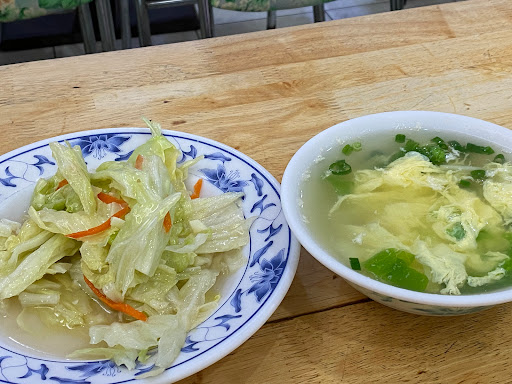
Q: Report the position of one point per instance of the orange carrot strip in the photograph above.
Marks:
(167, 222)
(197, 189)
(62, 183)
(91, 231)
(121, 307)
(102, 227)
(138, 161)
(122, 212)
(108, 199)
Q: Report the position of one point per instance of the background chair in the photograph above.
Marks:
(205, 13)
(143, 25)
(14, 10)
(271, 6)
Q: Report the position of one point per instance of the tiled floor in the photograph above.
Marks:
(230, 23)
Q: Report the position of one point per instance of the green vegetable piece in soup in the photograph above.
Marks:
(355, 264)
(400, 138)
(478, 174)
(507, 265)
(440, 142)
(341, 185)
(500, 159)
(435, 154)
(347, 149)
(340, 167)
(457, 146)
(464, 183)
(411, 145)
(457, 231)
(479, 149)
(392, 266)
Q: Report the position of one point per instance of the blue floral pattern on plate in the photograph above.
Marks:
(100, 145)
(225, 181)
(272, 254)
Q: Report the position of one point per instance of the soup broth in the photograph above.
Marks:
(399, 218)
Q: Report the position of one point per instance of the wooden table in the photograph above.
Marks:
(267, 93)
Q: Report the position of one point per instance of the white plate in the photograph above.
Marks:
(249, 297)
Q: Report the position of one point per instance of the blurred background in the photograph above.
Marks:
(59, 35)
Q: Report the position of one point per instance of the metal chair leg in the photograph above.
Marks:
(110, 23)
(106, 25)
(126, 33)
(212, 20)
(319, 13)
(271, 20)
(204, 18)
(396, 5)
(143, 23)
(86, 27)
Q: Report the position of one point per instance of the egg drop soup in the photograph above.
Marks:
(424, 211)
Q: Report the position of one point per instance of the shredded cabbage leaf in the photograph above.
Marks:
(124, 251)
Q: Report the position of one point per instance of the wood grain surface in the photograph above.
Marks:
(266, 94)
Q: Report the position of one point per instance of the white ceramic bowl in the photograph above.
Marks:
(444, 124)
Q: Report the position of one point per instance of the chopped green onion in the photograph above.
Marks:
(457, 231)
(411, 145)
(499, 159)
(479, 149)
(354, 263)
(400, 138)
(457, 146)
(347, 149)
(440, 142)
(464, 183)
(340, 167)
(478, 174)
(435, 154)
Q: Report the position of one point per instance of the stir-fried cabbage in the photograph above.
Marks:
(127, 239)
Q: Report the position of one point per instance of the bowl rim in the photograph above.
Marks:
(401, 120)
